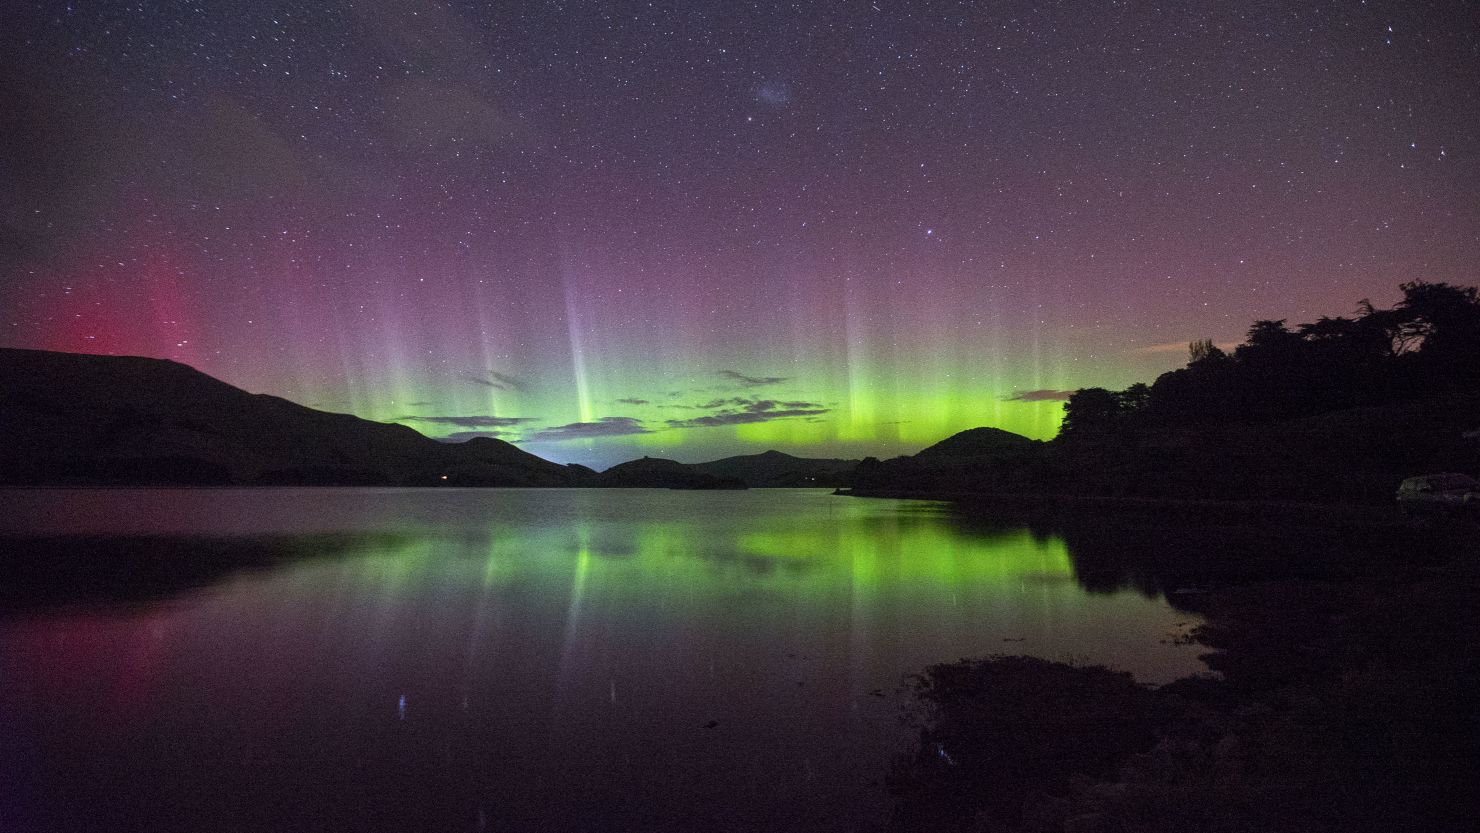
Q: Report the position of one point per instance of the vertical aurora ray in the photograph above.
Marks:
(374, 236)
(575, 327)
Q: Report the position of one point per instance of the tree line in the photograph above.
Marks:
(1425, 345)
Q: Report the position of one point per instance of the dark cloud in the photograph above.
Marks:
(743, 411)
(469, 421)
(464, 436)
(768, 406)
(633, 401)
(743, 417)
(752, 381)
(1045, 395)
(604, 427)
(419, 404)
(750, 404)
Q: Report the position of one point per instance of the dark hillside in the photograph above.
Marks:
(773, 468)
(79, 419)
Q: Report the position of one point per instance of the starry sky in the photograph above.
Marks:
(694, 228)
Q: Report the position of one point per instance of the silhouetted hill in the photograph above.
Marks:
(1336, 410)
(773, 468)
(977, 442)
(658, 473)
(958, 462)
(581, 472)
(68, 418)
(1357, 455)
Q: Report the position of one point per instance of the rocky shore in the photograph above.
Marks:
(1336, 703)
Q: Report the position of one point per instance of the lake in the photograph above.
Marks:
(510, 660)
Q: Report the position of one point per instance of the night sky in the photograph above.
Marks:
(692, 229)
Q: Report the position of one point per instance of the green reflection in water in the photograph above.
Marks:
(805, 556)
(797, 550)
(567, 645)
(895, 584)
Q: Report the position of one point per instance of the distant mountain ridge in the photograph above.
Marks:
(89, 420)
(658, 473)
(71, 418)
(773, 468)
(974, 459)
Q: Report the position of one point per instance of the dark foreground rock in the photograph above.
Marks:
(1341, 706)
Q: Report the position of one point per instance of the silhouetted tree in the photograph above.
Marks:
(1428, 343)
(1135, 398)
(1090, 411)
(1204, 350)
(1446, 321)
(1269, 340)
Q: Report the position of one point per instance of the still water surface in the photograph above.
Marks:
(511, 660)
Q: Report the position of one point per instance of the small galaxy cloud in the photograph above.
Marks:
(773, 93)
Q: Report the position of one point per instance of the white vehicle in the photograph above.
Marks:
(1439, 493)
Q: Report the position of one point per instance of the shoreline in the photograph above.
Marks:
(1265, 511)
(1331, 703)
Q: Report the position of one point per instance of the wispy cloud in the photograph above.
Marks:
(613, 426)
(741, 418)
(1044, 395)
(747, 411)
(748, 403)
(491, 379)
(1175, 347)
(479, 380)
(469, 421)
(633, 401)
(511, 381)
(752, 381)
